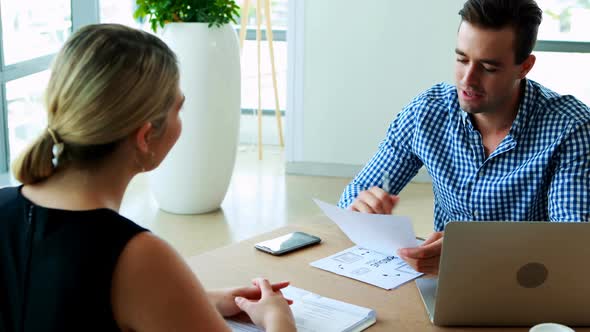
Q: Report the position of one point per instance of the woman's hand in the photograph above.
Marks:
(271, 311)
(224, 299)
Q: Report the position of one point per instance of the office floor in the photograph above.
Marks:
(260, 198)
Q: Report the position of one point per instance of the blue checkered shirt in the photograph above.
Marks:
(539, 172)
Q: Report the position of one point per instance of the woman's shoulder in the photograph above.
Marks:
(8, 196)
(12, 207)
(149, 265)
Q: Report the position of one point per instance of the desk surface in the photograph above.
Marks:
(399, 309)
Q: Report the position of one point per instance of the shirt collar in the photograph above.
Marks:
(525, 108)
(465, 117)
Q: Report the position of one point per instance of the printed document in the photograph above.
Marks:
(315, 313)
(368, 266)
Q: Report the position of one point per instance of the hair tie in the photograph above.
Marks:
(57, 149)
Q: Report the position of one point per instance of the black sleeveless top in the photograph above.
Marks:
(56, 266)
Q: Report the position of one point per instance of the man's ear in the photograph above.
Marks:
(142, 137)
(527, 65)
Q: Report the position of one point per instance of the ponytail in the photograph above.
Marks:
(34, 164)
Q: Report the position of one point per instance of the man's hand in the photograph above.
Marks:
(224, 299)
(375, 201)
(426, 257)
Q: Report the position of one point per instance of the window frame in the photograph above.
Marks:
(562, 46)
(82, 13)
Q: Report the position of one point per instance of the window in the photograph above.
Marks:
(26, 112)
(250, 59)
(32, 32)
(565, 20)
(563, 47)
(121, 12)
(564, 73)
(44, 25)
(249, 63)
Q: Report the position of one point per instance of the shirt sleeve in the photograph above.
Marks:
(569, 193)
(394, 162)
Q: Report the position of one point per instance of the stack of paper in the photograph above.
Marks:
(377, 237)
(315, 313)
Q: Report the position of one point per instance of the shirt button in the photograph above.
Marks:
(475, 213)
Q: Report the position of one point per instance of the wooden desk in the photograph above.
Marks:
(397, 310)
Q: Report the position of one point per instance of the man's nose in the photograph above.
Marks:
(471, 75)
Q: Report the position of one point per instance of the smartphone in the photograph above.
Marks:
(287, 243)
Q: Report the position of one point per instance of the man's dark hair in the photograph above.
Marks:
(523, 15)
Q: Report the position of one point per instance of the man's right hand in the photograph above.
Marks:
(375, 201)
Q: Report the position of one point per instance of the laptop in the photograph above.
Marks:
(511, 274)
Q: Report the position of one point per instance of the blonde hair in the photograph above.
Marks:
(106, 82)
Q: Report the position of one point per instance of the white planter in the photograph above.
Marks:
(195, 175)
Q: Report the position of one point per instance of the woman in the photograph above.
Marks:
(69, 261)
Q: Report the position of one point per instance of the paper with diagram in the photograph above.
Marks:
(369, 266)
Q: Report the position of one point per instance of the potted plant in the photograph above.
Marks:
(213, 12)
(195, 175)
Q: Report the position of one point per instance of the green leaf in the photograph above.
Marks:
(160, 12)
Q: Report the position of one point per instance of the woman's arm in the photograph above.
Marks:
(155, 290)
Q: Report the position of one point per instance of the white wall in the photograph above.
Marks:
(353, 66)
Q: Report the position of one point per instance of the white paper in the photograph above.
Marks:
(242, 327)
(368, 266)
(378, 232)
(315, 313)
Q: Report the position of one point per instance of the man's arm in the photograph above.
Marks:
(569, 194)
(394, 164)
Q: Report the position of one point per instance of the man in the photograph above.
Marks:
(497, 146)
